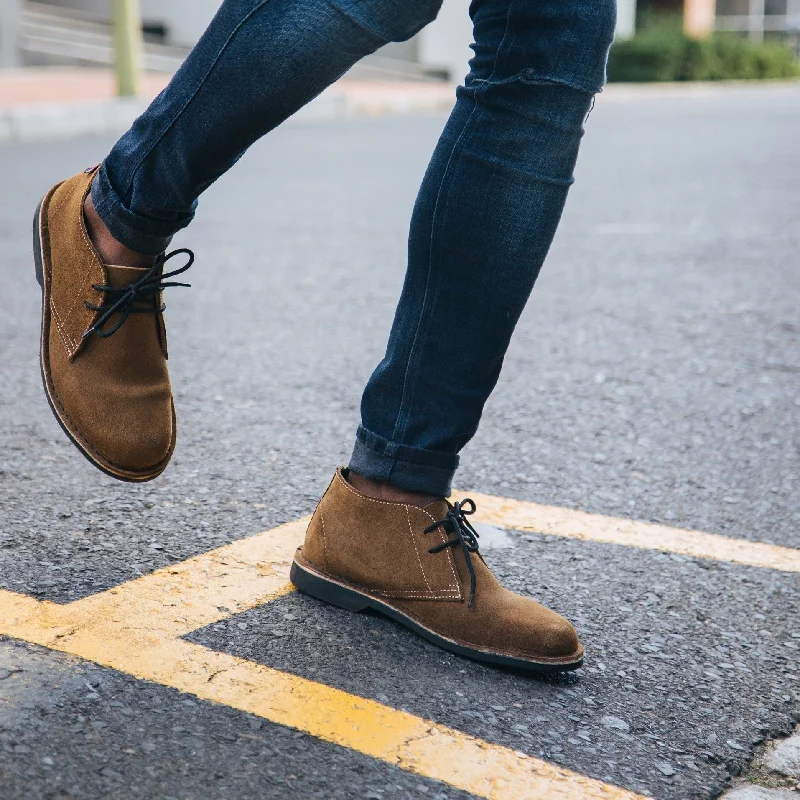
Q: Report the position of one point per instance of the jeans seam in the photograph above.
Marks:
(400, 422)
(377, 463)
(396, 452)
(532, 78)
(502, 46)
(192, 96)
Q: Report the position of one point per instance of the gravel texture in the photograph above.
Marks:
(654, 375)
(93, 733)
(682, 679)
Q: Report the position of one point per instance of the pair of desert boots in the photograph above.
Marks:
(104, 370)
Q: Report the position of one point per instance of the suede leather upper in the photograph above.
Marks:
(70, 287)
(380, 548)
(112, 395)
(372, 526)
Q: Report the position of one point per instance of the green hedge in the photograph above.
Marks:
(664, 53)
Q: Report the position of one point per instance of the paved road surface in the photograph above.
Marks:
(654, 376)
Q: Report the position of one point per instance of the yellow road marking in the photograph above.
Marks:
(136, 628)
(181, 598)
(551, 520)
(365, 726)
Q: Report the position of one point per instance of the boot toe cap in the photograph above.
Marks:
(559, 638)
(138, 447)
(536, 632)
(141, 453)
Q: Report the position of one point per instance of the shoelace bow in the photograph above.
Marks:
(148, 287)
(466, 537)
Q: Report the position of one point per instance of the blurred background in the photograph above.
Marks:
(657, 40)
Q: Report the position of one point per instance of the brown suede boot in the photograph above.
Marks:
(421, 567)
(103, 346)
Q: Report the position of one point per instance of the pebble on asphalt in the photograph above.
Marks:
(785, 757)
(615, 723)
(760, 793)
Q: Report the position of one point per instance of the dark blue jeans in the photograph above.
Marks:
(486, 212)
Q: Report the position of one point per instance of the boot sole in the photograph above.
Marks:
(42, 268)
(329, 591)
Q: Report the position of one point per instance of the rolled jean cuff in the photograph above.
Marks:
(149, 237)
(409, 468)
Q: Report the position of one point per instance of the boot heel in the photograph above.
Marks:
(327, 591)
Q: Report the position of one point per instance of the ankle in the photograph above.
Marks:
(108, 248)
(381, 490)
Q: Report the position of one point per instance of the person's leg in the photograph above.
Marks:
(483, 222)
(258, 63)
(100, 237)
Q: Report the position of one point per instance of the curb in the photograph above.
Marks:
(42, 121)
(113, 116)
(774, 772)
(345, 100)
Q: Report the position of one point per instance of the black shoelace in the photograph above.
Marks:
(466, 537)
(145, 290)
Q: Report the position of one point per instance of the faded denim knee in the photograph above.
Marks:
(390, 20)
(547, 41)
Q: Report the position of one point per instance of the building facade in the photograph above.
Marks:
(441, 48)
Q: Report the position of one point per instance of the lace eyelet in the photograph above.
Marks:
(148, 287)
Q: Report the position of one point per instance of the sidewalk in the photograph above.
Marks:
(47, 103)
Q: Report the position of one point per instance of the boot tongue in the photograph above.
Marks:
(119, 276)
(142, 327)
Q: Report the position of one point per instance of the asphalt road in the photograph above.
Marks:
(655, 375)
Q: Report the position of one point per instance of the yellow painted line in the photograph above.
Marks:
(365, 726)
(136, 628)
(551, 520)
(181, 598)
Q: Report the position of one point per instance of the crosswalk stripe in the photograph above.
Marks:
(365, 726)
(555, 521)
(136, 628)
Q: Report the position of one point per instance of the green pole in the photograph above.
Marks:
(127, 45)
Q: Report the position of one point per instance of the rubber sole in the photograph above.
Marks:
(329, 591)
(83, 449)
